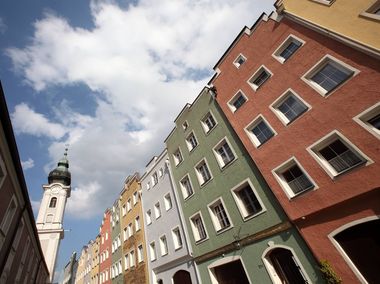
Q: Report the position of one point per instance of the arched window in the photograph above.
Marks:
(53, 202)
(283, 266)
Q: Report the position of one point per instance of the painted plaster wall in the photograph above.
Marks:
(334, 112)
(165, 266)
(343, 17)
(222, 182)
(117, 255)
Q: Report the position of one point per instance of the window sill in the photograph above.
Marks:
(249, 217)
(205, 183)
(221, 231)
(201, 241)
(227, 165)
(210, 130)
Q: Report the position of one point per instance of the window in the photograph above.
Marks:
(148, 186)
(370, 119)
(177, 157)
(203, 172)
(125, 234)
(161, 172)
(223, 153)
(124, 210)
(149, 217)
(293, 178)
(163, 246)
(140, 253)
(8, 217)
(289, 106)
(154, 178)
(186, 187)
(152, 251)
(53, 202)
(239, 60)
(198, 228)
(191, 142)
(336, 154)
(185, 125)
(287, 48)
(246, 199)
(130, 230)
(219, 216)
(237, 101)
(259, 78)
(135, 197)
(126, 261)
(2, 171)
(208, 122)
(132, 261)
(137, 223)
(259, 131)
(168, 202)
(373, 11)
(129, 207)
(177, 239)
(328, 74)
(157, 210)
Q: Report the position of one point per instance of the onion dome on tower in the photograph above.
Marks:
(61, 173)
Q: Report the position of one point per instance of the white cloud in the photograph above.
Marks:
(143, 64)
(26, 120)
(28, 164)
(35, 206)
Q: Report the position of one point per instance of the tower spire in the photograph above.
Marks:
(61, 173)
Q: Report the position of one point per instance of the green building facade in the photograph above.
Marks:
(117, 267)
(237, 229)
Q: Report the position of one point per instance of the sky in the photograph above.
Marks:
(108, 78)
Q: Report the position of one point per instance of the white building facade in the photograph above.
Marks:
(168, 250)
(50, 216)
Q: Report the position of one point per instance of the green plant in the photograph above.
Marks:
(328, 273)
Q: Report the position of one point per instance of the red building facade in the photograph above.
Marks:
(307, 109)
(21, 257)
(105, 249)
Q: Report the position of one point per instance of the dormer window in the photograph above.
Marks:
(239, 60)
(53, 202)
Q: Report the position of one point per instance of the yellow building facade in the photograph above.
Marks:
(95, 261)
(356, 21)
(132, 231)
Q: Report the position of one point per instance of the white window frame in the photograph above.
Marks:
(126, 261)
(324, 2)
(140, 253)
(8, 217)
(152, 251)
(369, 11)
(148, 215)
(322, 63)
(236, 61)
(214, 218)
(248, 130)
(278, 171)
(284, 45)
(137, 223)
(183, 189)
(124, 209)
(199, 175)
(234, 98)
(135, 198)
(185, 125)
(177, 238)
(188, 144)
(168, 201)
(328, 139)
(4, 171)
(157, 210)
(129, 205)
(130, 230)
(281, 99)
(256, 75)
(239, 203)
(205, 127)
(175, 158)
(363, 117)
(164, 248)
(132, 258)
(161, 173)
(154, 179)
(196, 235)
(217, 155)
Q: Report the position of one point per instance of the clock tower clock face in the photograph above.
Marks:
(55, 189)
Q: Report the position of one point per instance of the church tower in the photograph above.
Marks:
(50, 216)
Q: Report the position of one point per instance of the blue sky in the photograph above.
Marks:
(108, 78)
